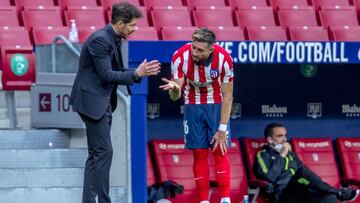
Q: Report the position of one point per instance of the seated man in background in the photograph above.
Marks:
(292, 181)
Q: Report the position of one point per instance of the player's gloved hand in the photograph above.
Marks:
(220, 139)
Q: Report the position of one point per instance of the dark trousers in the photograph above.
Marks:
(317, 191)
(98, 163)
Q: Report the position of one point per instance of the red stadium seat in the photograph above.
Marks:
(263, 33)
(151, 179)
(173, 162)
(42, 18)
(297, 18)
(338, 18)
(91, 16)
(247, 4)
(20, 4)
(46, 35)
(5, 3)
(288, 3)
(217, 17)
(85, 32)
(349, 154)
(149, 4)
(77, 3)
(14, 36)
(205, 3)
(337, 7)
(8, 17)
(318, 3)
(239, 186)
(345, 33)
(144, 34)
(177, 33)
(251, 147)
(228, 33)
(107, 4)
(165, 17)
(141, 22)
(255, 17)
(318, 155)
(308, 34)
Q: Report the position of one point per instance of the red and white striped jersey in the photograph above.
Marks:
(202, 84)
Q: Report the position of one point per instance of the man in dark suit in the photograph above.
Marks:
(93, 96)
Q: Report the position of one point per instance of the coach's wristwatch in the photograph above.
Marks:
(135, 76)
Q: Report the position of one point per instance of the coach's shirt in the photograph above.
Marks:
(202, 83)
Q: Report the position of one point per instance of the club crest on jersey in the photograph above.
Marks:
(214, 73)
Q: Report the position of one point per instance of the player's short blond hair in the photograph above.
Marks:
(204, 35)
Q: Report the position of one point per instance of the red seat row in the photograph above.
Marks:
(172, 161)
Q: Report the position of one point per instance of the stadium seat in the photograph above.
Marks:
(91, 16)
(318, 3)
(8, 17)
(263, 33)
(173, 162)
(141, 22)
(46, 35)
(36, 18)
(345, 33)
(107, 4)
(247, 4)
(150, 172)
(349, 154)
(144, 34)
(85, 32)
(276, 4)
(177, 33)
(251, 147)
(149, 4)
(166, 17)
(217, 17)
(318, 155)
(205, 3)
(338, 18)
(306, 33)
(78, 3)
(14, 36)
(356, 3)
(297, 18)
(5, 3)
(20, 4)
(337, 7)
(228, 33)
(255, 17)
(239, 186)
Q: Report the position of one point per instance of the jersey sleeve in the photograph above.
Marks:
(176, 66)
(228, 69)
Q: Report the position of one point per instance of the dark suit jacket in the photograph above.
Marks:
(100, 72)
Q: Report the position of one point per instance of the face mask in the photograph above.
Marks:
(278, 147)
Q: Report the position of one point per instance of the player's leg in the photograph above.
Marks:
(222, 163)
(196, 140)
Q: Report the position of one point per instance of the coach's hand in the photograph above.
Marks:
(148, 68)
(220, 139)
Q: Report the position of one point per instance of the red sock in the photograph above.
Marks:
(222, 167)
(201, 173)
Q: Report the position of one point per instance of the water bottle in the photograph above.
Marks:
(246, 199)
(73, 34)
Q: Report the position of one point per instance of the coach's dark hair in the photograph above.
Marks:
(204, 35)
(125, 12)
(269, 129)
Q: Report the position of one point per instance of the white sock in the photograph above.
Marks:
(204, 201)
(225, 200)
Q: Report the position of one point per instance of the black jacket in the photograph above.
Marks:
(278, 171)
(100, 71)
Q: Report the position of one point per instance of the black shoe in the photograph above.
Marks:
(348, 194)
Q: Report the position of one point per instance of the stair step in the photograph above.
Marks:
(53, 195)
(34, 139)
(43, 158)
(54, 177)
